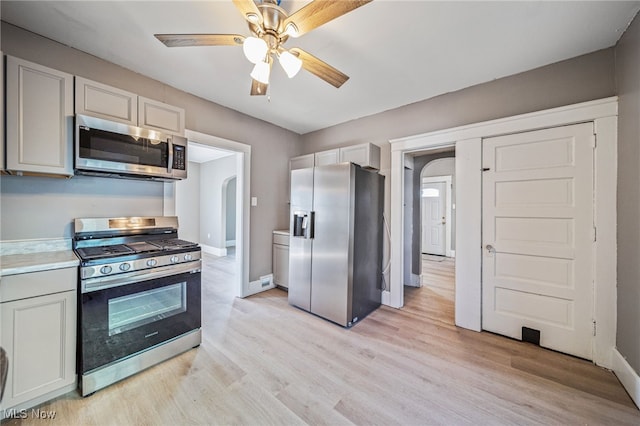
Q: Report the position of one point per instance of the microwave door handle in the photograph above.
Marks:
(170, 144)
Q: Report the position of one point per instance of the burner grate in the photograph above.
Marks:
(142, 247)
(173, 243)
(104, 251)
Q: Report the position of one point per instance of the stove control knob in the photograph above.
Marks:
(188, 257)
(152, 262)
(174, 259)
(105, 270)
(125, 267)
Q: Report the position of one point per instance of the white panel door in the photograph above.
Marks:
(537, 232)
(433, 211)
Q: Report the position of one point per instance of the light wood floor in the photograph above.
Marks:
(264, 362)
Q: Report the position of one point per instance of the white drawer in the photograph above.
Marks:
(281, 239)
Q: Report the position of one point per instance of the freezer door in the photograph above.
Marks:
(300, 241)
(331, 268)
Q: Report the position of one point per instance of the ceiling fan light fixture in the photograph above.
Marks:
(290, 63)
(254, 49)
(253, 18)
(291, 30)
(261, 72)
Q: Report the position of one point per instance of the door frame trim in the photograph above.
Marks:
(467, 140)
(243, 202)
(447, 179)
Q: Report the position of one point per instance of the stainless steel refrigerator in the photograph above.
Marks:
(335, 246)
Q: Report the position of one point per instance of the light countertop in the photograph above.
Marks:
(20, 257)
(281, 231)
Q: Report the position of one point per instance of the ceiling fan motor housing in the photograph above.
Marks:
(272, 28)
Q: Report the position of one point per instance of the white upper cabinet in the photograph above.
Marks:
(326, 158)
(301, 162)
(160, 116)
(110, 103)
(39, 126)
(366, 155)
(102, 101)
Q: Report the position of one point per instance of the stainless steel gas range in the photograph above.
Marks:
(139, 296)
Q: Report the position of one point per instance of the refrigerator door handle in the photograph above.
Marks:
(312, 225)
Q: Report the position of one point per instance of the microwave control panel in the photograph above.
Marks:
(179, 157)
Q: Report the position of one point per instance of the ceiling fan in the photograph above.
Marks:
(270, 28)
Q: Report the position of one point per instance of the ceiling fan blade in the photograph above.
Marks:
(180, 40)
(249, 11)
(317, 13)
(320, 68)
(257, 88)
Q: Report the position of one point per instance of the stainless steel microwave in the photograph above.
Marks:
(108, 148)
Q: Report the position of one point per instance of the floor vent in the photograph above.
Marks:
(530, 335)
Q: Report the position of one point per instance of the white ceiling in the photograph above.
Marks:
(203, 153)
(396, 52)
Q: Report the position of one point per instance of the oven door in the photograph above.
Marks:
(119, 321)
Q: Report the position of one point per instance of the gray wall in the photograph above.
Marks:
(579, 79)
(628, 82)
(187, 193)
(39, 208)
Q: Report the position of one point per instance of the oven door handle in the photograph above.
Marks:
(101, 283)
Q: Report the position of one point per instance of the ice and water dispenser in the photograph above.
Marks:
(302, 224)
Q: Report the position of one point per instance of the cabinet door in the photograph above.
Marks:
(160, 116)
(102, 101)
(301, 162)
(39, 337)
(39, 119)
(326, 158)
(281, 265)
(366, 155)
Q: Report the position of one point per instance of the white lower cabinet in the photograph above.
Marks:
(281, 259)
(38, 334)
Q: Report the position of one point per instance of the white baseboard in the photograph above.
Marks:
(415, 281)
(385, 299)
(230, 243)
(214, 250)
(627, 376)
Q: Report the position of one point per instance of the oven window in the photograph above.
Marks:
(107, 146)
(134, 310)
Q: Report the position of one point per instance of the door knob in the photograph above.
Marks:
(490, 248)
